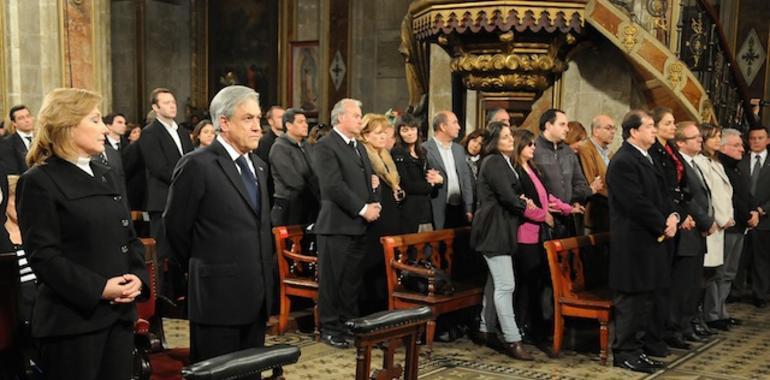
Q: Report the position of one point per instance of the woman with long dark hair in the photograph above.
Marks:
(530, 259)
(501, 206)
(418, 181)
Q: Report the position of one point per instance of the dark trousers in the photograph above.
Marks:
(630, 315)
(208, 341)
(455, 217)
(339, 263)
(656, 331)
(102, 354)
(741, 286)
(531, 273)
(686, 293)
(760, 268)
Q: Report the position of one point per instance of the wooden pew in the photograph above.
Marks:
(571, 298)
(297, 272)
(440, 247)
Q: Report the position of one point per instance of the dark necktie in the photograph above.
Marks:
(250, 182)
(101, 158)
(702, 178)
(755, 173)
(352, 144)
(117, 146)
(29, 141)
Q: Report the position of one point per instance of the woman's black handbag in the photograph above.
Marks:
(416, 283)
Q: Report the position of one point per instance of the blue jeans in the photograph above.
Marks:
(499, 289)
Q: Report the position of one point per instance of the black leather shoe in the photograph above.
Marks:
(702, 330)
(760, 303)
(734, 321)
(721, 324)
(635, 364)
(335, 341)
(678, 343)
(652, 362)
(691, 337)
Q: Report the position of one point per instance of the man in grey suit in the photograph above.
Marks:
(756, 165)
(453, 207)
(687, 271)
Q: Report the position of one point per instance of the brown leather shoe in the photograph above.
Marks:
(516, 350)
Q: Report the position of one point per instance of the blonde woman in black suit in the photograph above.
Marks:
(77, 232)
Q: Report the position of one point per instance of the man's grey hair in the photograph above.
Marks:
(727, 132)
(491, 113)
(595, 121)
(339, 109)
(227, 99)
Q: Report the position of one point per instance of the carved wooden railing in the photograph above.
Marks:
(692, 30)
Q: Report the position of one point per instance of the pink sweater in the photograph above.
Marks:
(529, 232)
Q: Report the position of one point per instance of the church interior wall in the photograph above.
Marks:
(600, 80)
(377, 68)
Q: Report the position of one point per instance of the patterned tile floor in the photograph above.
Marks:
(742, 353)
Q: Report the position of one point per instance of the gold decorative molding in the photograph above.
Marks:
(504, 82)
(707, 111)
(629, 37)
(520, 62)
(675, 74)
(436, 16)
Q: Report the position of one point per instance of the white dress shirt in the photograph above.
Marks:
(25, 137)
(453, 194)
(753, 161)
(84, 163)
(234, 156)
(172, 131)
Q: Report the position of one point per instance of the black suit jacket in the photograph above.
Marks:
(346, 186)
(692, 242)
(160, 155)
(213, 230)
(499, 208)
(116, 164)
(297, 195)
(5, 240)
(77, 234)
(741, 196)
(265, 144)
(136, 177)
(13, 154)
(761, 196)
(638, 215)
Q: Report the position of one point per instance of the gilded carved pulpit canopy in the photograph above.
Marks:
(496, 46)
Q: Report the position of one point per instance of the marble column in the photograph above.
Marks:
(53, 43)
(440, 84)
(31, 55)
(85, 46)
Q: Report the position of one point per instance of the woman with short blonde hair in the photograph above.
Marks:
(82, 247)
(375, 134)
